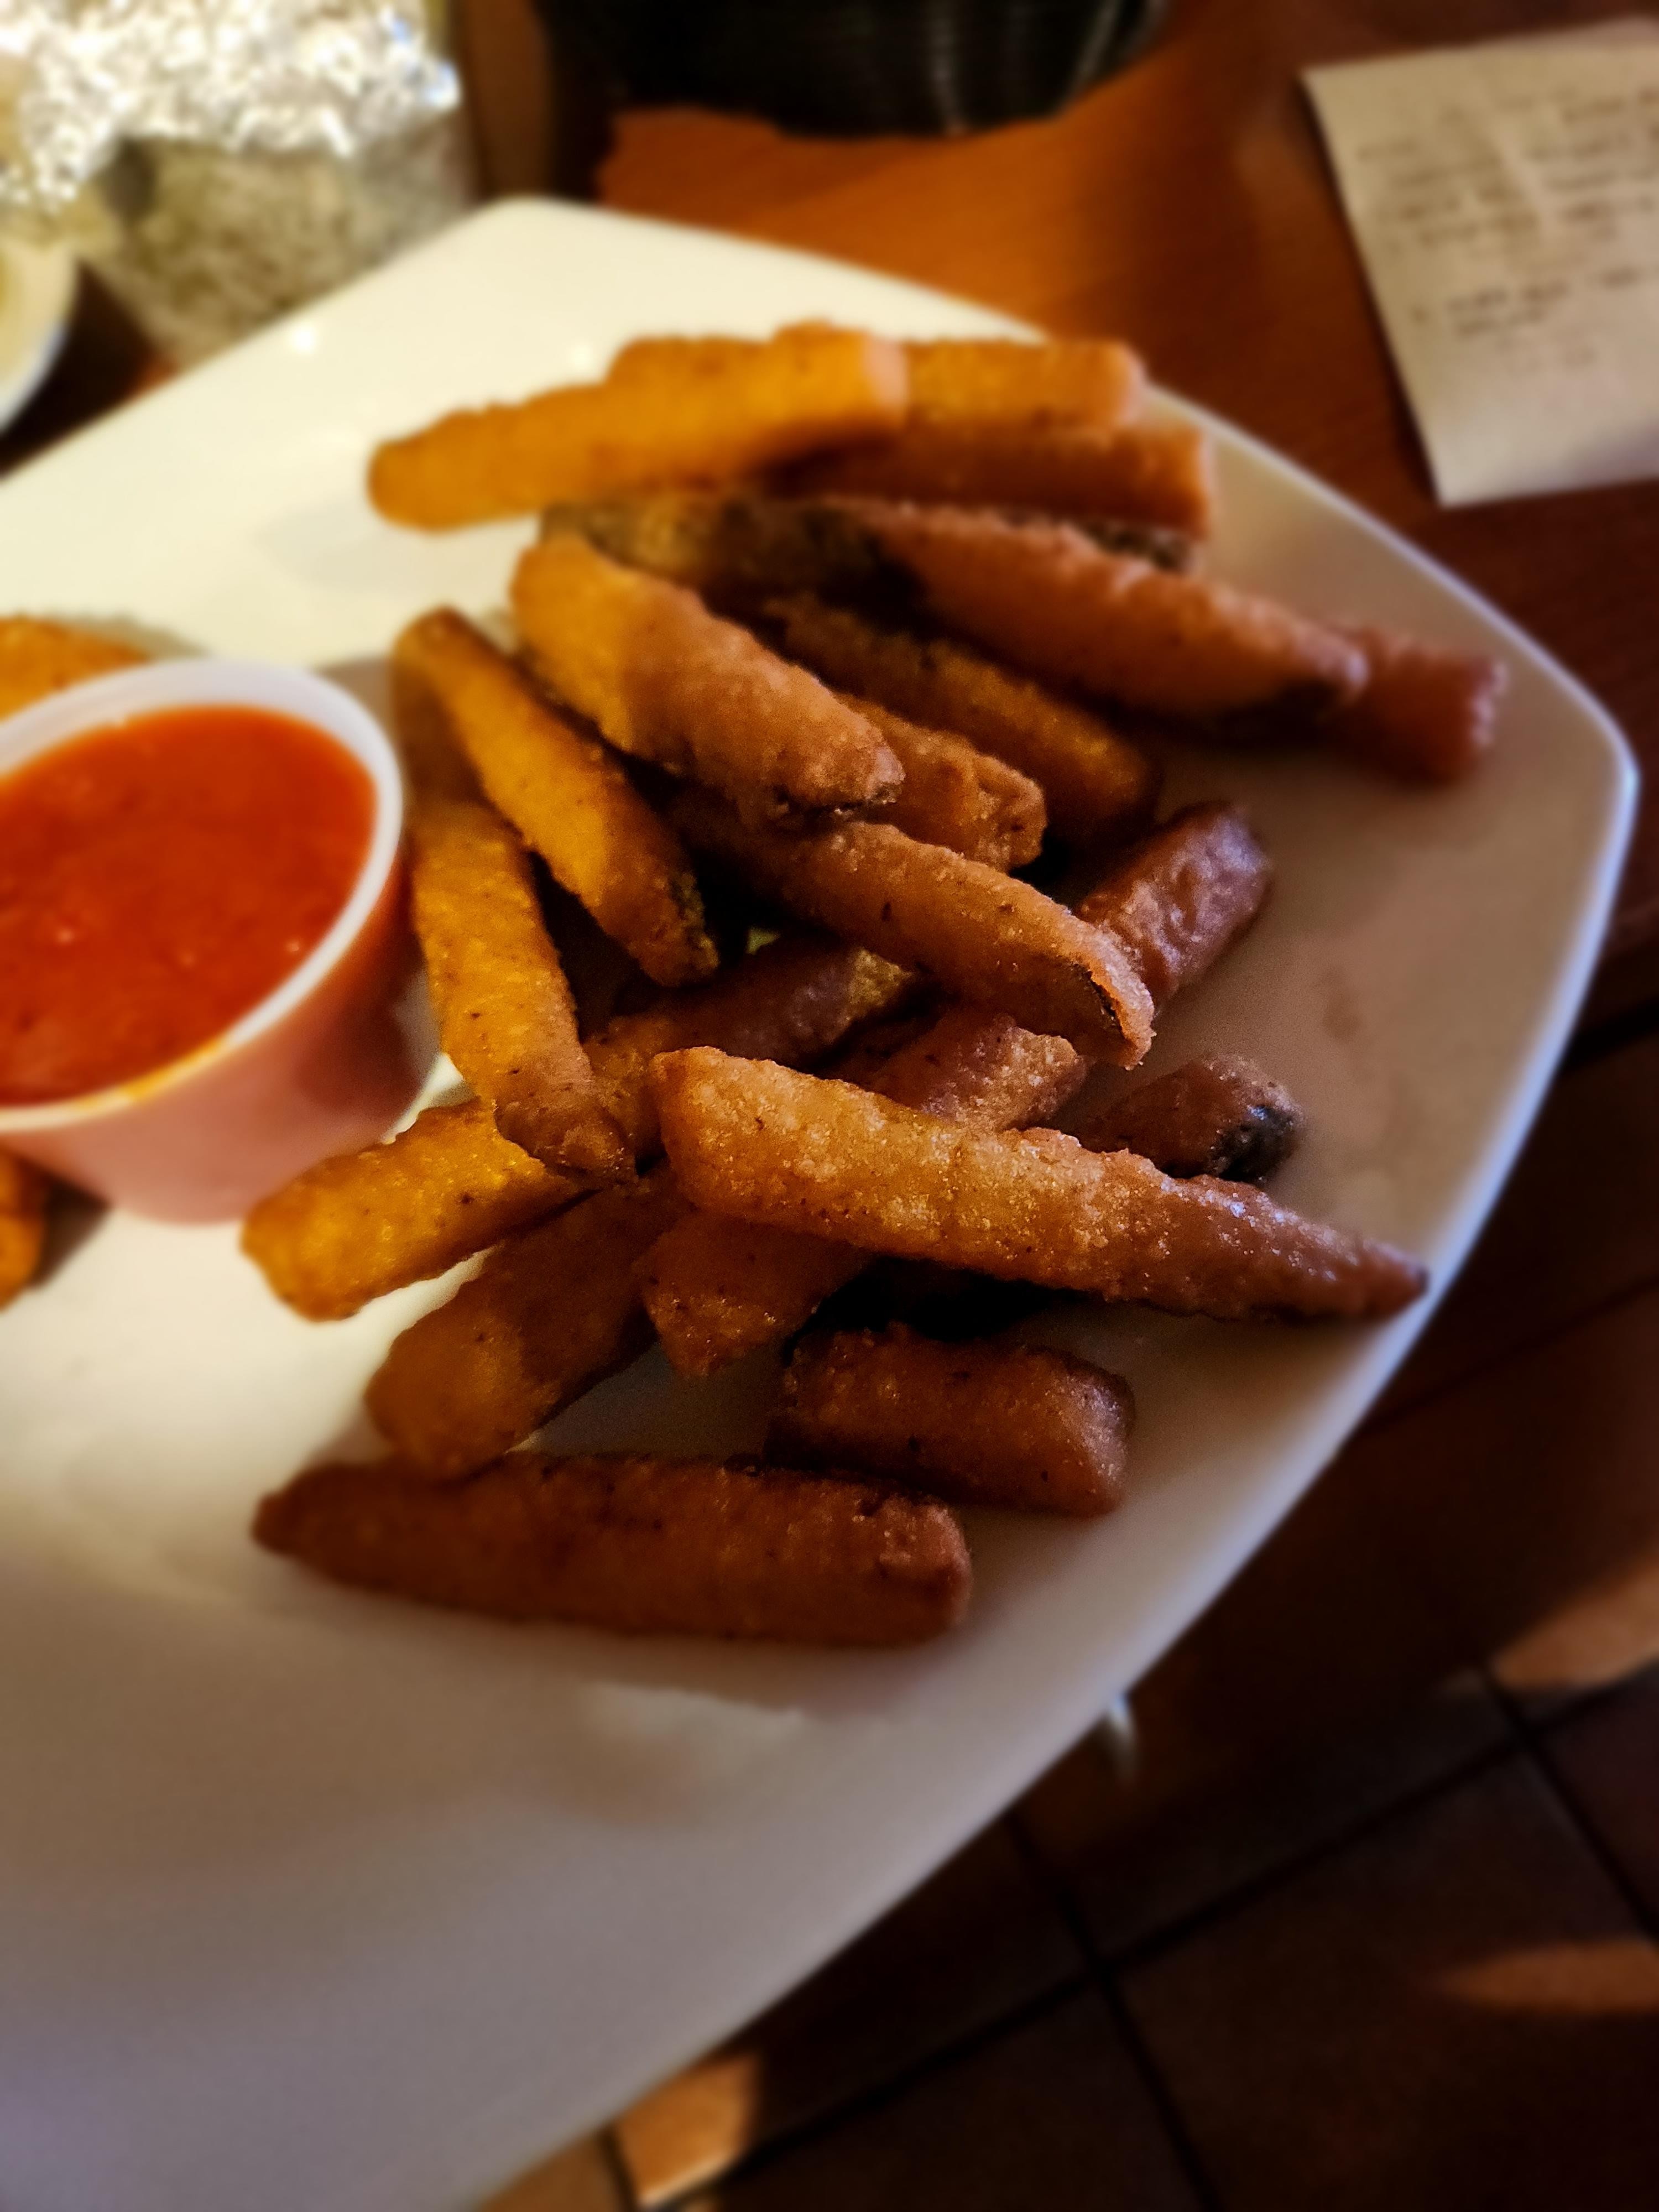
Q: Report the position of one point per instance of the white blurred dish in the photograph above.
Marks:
(309, 1899)
(37, 290)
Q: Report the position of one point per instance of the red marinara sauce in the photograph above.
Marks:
(157, 879)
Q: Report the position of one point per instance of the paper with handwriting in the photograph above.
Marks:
(1505, 199)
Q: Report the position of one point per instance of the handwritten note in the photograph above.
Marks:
(1506, 202)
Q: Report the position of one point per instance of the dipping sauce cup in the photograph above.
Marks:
(319, 1065)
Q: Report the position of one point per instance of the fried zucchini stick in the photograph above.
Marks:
(1053, 603)
(564, 793)
(669, 682)
(553, 1310)
(795, 1151)
(667, 414)
(1179, 898)
(23, 1192)
(1214, 1117)
(1158, 472)
(1008, 1425)
(38, 658)
(1426, 714)
(651, 1547)
(985, 936)
(504, 1009)
(365, 1222)
(954, 794)
(717, 1288)
(1014, 380)
(1096, 784)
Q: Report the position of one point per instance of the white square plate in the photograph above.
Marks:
(310, 1900)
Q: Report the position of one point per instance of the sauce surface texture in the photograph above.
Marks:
(157, 879)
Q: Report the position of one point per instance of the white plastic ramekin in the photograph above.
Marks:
(319, 1067)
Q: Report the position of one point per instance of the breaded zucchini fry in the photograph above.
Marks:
(794, 1151)
(1157, 472)
(1097, 381)
(667, 414)
(1214, 1117)
(985, 936)
(718, 1288)
(1425, 713)
(553, 1310)
(563, 793)
(1009, 1424)
(1053, 603)
(365, 1222)
(38, 658)
(954, 794)
(23, 1191)
(504, 1009)
(668, 681)
(1182, 896)
(1096, 784)
(651, 1546)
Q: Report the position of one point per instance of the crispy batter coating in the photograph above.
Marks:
(38, 658)
(1426, 714)
(365, 1222)
(795, 1151)
(954, 794)
(651, 1547)
(1009, 1424)
(1096, 784)
(504, 1008)
(565, 794)
(717, 1287)
(985, 936)
(1182, 896)
(23, 1191)
(1161, 472)
(1214, 1117)
(553, 1310)
(668, 681)
(980, 380)
(741, 549)
(672, 411)
(1058, 605)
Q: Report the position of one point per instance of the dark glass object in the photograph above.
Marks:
(856, 68)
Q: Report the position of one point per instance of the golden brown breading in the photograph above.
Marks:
(1098, 380)
(954, 794)
(565, 794)
(23, 1192)
(1158, 472)
(1178, 899)
(1053, 603)
(38, 658)
(365, 1222)
(795, 1151)
(1096, 785)
(1214, 1117)
(504, 1009)
(651, 1547)
(553, 1310)
(672, 411)
(718, 1288)
(1008, 1425)
(987, 937)
(666, 680)
(1425, 713)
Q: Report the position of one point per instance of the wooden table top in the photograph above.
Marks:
(1187, 205)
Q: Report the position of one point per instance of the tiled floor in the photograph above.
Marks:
(1373, 1924)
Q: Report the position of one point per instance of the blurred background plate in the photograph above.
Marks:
(37, 289)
